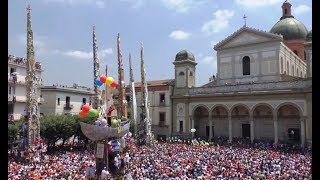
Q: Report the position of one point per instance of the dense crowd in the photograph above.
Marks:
(177, 159)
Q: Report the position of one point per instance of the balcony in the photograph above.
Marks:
(162, 103)
(13, 98)
(68, 106)
(162, 124)
(253, 88)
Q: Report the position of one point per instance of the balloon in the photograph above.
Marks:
(114, 123)
(114, 84)
(98, 82)
(86, 108)
(82, 114)
(92, 113)
(109, 80)
(103, 78)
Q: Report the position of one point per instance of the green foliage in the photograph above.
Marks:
(56, 127)
(12, 132)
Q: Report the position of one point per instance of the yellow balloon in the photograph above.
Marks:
(109, 80)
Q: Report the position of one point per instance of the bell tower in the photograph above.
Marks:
(185, 67)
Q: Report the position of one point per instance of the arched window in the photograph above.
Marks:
(288, 68)
(246, 65)
(285, 11)
(296, 52)
(292, 70)
(181, 73)
(297, 72)
(191, 73)
(301, 74)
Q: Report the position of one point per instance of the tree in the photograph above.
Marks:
(13, 130)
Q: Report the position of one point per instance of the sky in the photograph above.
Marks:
(63, 33)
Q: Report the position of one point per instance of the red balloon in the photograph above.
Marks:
(103, 78)
(114, 84)
(86, 108)
(83, 114)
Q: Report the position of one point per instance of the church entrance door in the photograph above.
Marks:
(246, 130)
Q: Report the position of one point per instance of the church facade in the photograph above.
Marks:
(262, 90)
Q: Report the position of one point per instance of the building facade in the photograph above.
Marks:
(159, 93)
(64, 100)
(262, 90)
(17, 86)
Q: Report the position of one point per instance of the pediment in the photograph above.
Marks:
(246, 36)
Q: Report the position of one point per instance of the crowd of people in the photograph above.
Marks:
(21, 61)
(176, 159)
(239, 160)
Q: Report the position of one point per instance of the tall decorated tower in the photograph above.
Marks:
(96, 72)
(32, 89)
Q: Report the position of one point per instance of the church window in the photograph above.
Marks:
(246, 65)
(180, 126)
(285, 11)
(296, 52)
(181, 73)
(191, 73)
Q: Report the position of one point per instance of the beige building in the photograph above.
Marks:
(17, 86)
(262, 89)
(64, 100)
(159, 93)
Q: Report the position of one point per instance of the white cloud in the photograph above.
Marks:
(257, 3)
(78, 54)
(105, 52)
(207, 59)
(301, 9)
(220, 22)
(100, 4)
(84, 54)
(181, 6)
(179, 35)
(97, 3)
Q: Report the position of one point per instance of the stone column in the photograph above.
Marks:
(230, 128)
(251, 128)
(275, 127)
(302, 131)
(210, 130)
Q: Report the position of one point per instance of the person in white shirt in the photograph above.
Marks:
(104, 174)
(127, 160)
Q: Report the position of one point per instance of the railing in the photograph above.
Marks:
(162, 124)
(269, 86)
(68, 106)
(21, 61)
(162, 103)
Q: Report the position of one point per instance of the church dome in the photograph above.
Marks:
(184, 55)
(289, 27)
(309, 35)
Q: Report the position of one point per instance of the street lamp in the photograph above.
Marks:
(192, 132)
